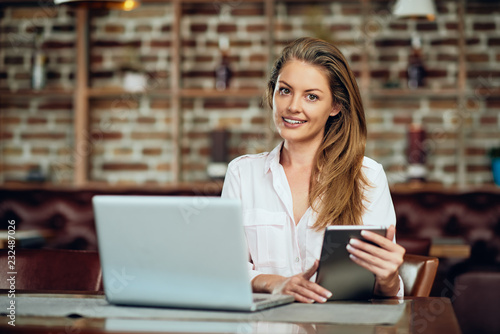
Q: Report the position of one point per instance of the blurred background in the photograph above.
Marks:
(102, 97)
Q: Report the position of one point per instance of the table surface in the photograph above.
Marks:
(421, 315)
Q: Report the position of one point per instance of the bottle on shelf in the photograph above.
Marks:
(416, 153)
(39, 65)
(416, 69)
(223, 71)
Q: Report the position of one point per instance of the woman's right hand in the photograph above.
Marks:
(298, 286)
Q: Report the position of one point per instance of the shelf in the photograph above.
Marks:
(413, 93)
(28, 93)
(113, 92)
(213, 93)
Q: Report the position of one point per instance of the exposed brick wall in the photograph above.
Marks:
(130, 135)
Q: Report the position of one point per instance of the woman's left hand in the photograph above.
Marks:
(383, 261)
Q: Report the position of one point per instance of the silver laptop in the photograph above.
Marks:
(184, 252)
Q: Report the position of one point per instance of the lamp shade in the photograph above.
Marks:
(109, 4)
(415, 9)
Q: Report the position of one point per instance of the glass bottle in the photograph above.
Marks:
(39, 65)
(223, 71)
(416, 69)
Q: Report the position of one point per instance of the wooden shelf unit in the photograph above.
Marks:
(82, 93)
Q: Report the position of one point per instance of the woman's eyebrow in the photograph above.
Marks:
(307, 90)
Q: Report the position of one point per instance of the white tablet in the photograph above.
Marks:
(337, 272)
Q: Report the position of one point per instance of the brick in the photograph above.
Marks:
(142, 12)
(205, 151)
(116, 44)
(160, 44)
(450, 168)
(249, 74)
(40, 151)
(398, 26)
(200, 9)
(282, 27)
(382, 43)
(477, 58)
(475, 74)
(63, 28)
(18, 167)
(475, 151)
(148, 58)
(194, 166)
(255, 11)
(114, 28)
(379, 74)
(51, 75)
(451, 26)
(31, 13)
(56, 106)
(58, 45)
(229, 122)
(101, 74)
(447, 57)
(12, 151)
(389, 58)
(159, 104)
(494, 42)
(341, 27)
(258, 58)
(196, 135)
(164, 167)
(355, 57)
(107, 135)
(150, 135)
(478, 168)
(22, 76)
(432, 120)
(427, 26)
(386, 136)
(36, 120)
(146, 120)
(484, 26)
(166, 28)
(443, 104)
(124, 166)
(351, 9)
(472, 41)
(225, 104)
(394, 104)
(493, 103)
(402, 120)
(6, 135)
(435, 73)
(10, 120)
(151, 151)
(444, 41)
(200, 120)
(13, 60)
(240, 44)
(122, 151)
(481, 9)
(9, 29)
(143, 28)
(189, 43)
(258, 120)
(489, 120)
(256, 28)
(43, 136)
(198, 27)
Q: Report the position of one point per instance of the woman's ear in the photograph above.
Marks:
(335, 110)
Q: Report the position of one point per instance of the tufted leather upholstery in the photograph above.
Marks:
(418, 273)
(50, 269)
(68, 213)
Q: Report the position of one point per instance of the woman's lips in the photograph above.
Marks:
(292, 123)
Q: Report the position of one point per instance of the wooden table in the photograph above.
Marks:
(421, 315)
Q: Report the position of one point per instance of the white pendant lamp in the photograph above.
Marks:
(109, 4)
(415, 9)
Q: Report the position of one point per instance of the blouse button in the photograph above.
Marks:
(297, 259)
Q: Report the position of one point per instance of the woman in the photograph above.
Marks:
(318, 176)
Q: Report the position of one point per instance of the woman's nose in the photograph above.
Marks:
(295, 105)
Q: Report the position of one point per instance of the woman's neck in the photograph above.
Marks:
(298, 155)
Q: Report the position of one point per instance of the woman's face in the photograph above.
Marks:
(302, 103)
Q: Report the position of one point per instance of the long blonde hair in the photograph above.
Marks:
(337, 182)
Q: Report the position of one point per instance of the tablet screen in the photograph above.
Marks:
(337, 272)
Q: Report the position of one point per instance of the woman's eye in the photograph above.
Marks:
(312, 97)
(284, 91)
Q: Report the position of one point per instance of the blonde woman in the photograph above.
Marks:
(318, 176)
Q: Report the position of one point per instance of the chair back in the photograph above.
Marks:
(50, 269)
(418, 273)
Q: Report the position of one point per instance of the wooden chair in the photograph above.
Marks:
(418, 273)
(50, 269)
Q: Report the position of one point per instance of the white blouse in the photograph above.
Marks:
(276, 244)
